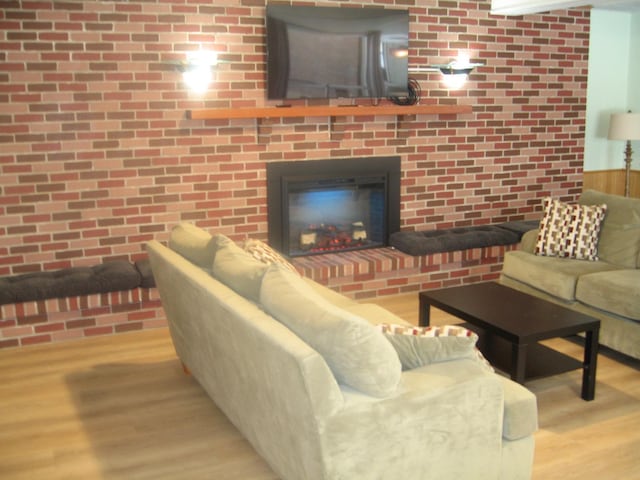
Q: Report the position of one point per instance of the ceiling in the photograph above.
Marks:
(521, 7)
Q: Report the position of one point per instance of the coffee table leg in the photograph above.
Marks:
(590, 364)
(425, 311)
(518, 362)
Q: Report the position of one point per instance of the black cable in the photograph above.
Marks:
(413, 94)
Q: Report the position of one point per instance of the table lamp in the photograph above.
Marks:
(625, 126)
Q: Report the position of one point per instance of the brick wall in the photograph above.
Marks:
(97, 156)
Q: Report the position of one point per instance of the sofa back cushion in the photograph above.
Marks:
(237, 269)
(194, 244)
(358, 354)
(620, 232)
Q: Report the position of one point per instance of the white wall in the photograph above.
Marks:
(634, 71)
(614, 76)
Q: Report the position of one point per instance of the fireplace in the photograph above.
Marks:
(328, 206)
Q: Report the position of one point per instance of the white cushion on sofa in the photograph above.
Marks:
(358, 355)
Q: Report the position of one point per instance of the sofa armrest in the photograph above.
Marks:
(528, 241)
(443, 412)
(520, 411)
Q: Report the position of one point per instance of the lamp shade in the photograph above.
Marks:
(624, 126)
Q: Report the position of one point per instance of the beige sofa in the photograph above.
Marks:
(607, 289)
(350, 412)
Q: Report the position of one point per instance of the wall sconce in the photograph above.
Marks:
(197, 70)
(454, 73)
(625, 126)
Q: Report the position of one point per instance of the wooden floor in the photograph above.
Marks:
(121, 408)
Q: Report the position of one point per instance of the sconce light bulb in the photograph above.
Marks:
(197, 79)
(401, 53)
(455, 81)
(462, 61)
(202, 57)
(197, 74)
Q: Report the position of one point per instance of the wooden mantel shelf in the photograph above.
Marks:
(325, 111)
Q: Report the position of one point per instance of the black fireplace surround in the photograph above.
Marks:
(329, 206)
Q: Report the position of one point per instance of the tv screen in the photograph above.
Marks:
(334, 52)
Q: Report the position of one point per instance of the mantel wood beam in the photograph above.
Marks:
(325, 111)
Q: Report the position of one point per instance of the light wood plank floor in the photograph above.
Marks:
(121, 408)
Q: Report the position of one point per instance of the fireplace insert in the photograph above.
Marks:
(328, 206)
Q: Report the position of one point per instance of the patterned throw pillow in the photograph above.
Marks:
(418, 346)
(570, 231)
(263, 252)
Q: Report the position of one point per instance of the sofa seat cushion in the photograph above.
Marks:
(520, 411)
(616, 291)
(358, 355)
(552, 275)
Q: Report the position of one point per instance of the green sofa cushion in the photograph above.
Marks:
(194, 244)
(620, 233)
(358, 355)
(238, 269)
(555, 276)
(374, 314)
(617, 292)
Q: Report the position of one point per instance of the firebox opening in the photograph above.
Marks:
(344, 214)
(328, 206)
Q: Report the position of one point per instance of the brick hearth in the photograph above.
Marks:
(387, 271)
(59, 319)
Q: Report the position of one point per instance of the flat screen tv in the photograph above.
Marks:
(336, 52)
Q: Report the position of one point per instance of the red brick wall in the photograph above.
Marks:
(97, 157)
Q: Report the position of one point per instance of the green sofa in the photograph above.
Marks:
(317, 389)
(607, 289)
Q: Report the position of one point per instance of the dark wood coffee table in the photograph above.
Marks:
(511, 323)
